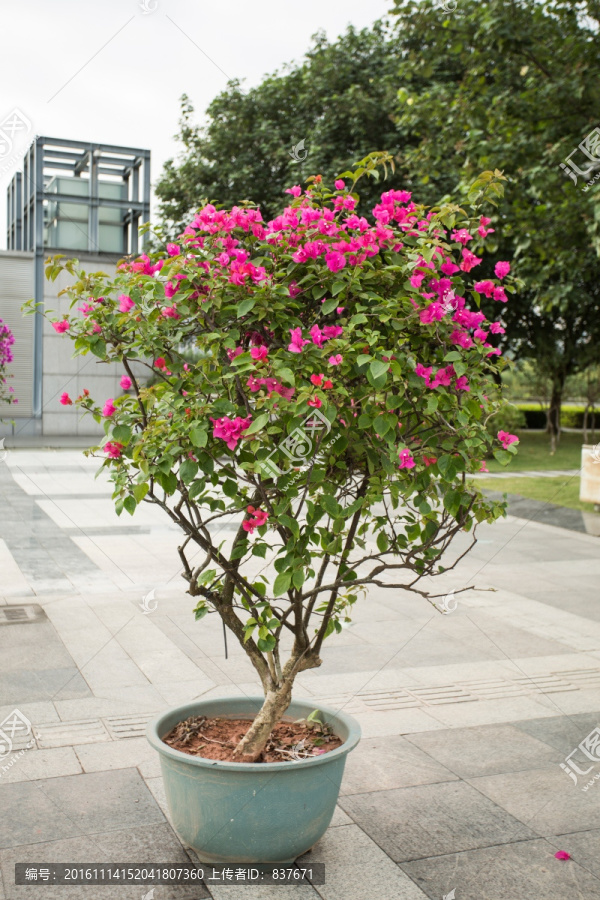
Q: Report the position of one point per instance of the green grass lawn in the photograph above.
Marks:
(559, 491)
(534, 453)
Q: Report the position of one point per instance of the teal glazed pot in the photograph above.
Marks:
(232, 812)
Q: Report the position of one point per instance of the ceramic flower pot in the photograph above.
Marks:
(233, 812)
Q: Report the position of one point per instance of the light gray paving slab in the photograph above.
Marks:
(545, 799)
(487, 750)
(356, 868)
(583, 846)
(69, 806)
(521, 871)
(562, 733)
(37, 764)
(380, 764)
(123, 754)
(146, 844)
(428, 820)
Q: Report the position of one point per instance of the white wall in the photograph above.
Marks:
(16, 286)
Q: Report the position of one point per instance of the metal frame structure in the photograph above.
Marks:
(28, 195)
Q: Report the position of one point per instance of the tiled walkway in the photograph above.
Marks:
(466, 717)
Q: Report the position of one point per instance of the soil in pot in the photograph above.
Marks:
(217, 738)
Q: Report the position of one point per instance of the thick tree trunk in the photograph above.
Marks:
(553, 426)
(254, 741)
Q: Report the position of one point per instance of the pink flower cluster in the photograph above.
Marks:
(113, 449)
(318, 335)
(443, 377)
(507, 439)
(230, 430)
(272, 385)
(258, 518)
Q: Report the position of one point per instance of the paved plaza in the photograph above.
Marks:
(457, 783)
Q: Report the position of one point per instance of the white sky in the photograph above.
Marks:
(103, 70)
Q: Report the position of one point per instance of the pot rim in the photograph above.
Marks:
(154, 730)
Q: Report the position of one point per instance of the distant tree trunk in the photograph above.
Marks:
(585, 422)
(553, 424)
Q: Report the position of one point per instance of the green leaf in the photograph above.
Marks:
(282, 583)
(292, 524)
(378, 368)
(188, 470)
(206, 576)
(245, 306)
(330, 505)
(329, 305)
(198, 437)
(129, 503)
(258, 424)
(382, 541)
(140, 491)
(338, 286)
(122, 434)
(452, 502)
(503, 457)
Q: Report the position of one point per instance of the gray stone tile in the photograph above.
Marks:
(380, 764)
(429, 820)
(563, 733)
(484, 750)
(27, 686)
(36, 764)
(545, 799)
(148, 845)
(72, 805)
(583, 847)
(356, 868)
(523, 871)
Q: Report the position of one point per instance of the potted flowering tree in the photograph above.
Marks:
(337, 404)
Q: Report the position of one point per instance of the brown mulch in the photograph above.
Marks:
(215, 738)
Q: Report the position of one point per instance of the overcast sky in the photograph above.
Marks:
(113, 70)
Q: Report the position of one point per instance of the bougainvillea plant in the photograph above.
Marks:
(337, 400)
(7, 339)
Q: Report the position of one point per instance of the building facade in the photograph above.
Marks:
(85, 201)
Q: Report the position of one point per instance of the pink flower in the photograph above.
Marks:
(484, 287)
(61, 327)
(462, 383)
(335, 260)
(424, 372)
(260, 518)
(340, 184)
(258, 353)
(448, 267)
(502, 269)
(433, 312)
(293, 289)
(173, 249)
(125, 303)
(507, 439)
(496, 328)
(316, 402)
(469, 260)
(444, 376)
(295, 191)
(233, 353)
(170, 312)
(336, 360)
(499, 295)
(561, 854)
(483, 467)
(429, 460)
(230, 430)
(113, 449)
(406, 459)
(109, 408)
(125, 382)
(65, 399)
(297, 342)
(317, 380)
(160, 363)
(462, 236)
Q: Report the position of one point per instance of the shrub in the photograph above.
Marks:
(340, 399)
(7, 340)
